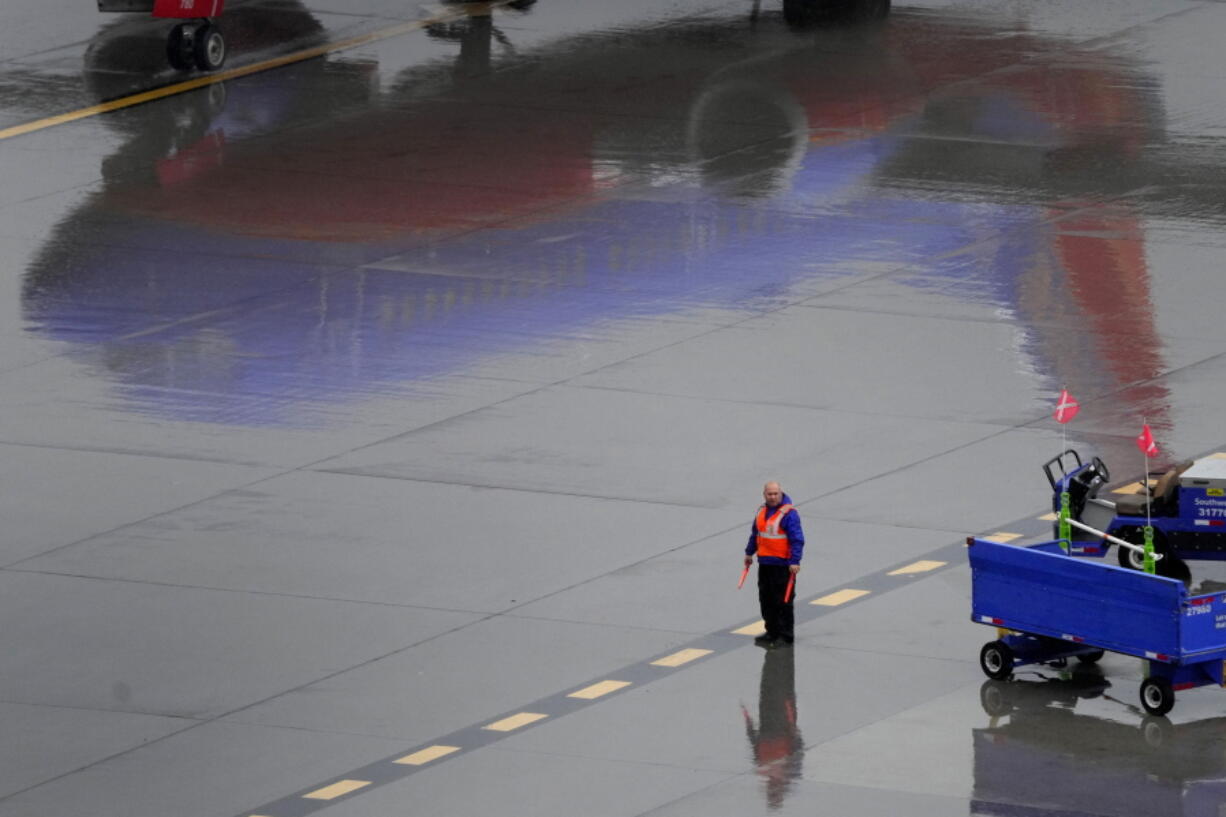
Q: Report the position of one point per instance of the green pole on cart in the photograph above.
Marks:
(1066, 530)
(1149, 549)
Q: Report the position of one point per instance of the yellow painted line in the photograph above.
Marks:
(1217, 455)
(472, 9)
(757, 628)
(1130, 488)
(1002, 536)
(922, 566)
(840, 597)
(424, 756)
(1048, 517)
(515, 722)
(336, 789)
(679, 658)
(598, 689)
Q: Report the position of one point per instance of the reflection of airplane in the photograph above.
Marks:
(391, 188)
(1041, 756)
(778, 749)
(198, 42)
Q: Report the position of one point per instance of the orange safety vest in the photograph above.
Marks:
(772, 541)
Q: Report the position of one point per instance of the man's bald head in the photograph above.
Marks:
(772, 492)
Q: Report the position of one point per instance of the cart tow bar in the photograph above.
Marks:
(1112, 539)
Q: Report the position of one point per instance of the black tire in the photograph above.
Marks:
(871, 9)
(798, 12)
(179, 47)
(1133, 560)
(996, 660)
(1157, 697)
(209, 47)
(1090, 657)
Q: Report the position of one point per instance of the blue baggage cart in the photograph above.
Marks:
(1057, 607)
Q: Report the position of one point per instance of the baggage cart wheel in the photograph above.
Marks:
(996, 660)
(179, 44)
(1133, 560)
(1090, 657)
(1157, 697)
(209, 47)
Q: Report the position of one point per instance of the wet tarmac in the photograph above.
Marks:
(382, 429)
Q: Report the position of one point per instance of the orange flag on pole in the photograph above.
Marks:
(1145, 442)
(1066, 407)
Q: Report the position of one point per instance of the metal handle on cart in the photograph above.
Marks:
(1112, 539)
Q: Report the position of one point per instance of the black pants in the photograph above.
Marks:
(772, 583)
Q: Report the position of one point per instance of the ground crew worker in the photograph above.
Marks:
(777, 539)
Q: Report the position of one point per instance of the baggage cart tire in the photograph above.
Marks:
(1157, 697)
(1090, 657)
(996, 660)
(1133, 560)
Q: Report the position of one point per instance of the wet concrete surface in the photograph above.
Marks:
(353, 405)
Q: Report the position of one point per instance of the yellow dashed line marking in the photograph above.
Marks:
(841, 597)
(424, 756)
(679, 658)
(336, 789)
(1003, 537)
(598, 689)
(1048, 517)
(922, 566)
(1219, 455)
(1131, 488)
(515, 721)
(757, 628)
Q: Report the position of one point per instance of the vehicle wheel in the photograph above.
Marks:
(209, 48)
(996, 660)
(993, 699)
(1090, 657)
(800, 13)
(1136, 561)
(872, 9)
(1157, 697)
(179, 47)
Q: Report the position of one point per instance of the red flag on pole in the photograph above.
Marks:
(1145, 442)
(1066, 407)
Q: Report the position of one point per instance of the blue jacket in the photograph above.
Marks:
(796, 538)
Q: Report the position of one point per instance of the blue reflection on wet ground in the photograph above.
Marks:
(216, 289)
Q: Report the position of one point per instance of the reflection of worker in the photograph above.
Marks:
(778, 540)
(776, 743)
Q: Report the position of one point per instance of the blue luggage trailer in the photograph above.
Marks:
(1057, 607)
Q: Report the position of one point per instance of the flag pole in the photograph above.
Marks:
(1149, 528)
(1066, 530)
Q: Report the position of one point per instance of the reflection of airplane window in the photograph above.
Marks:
(778, 749)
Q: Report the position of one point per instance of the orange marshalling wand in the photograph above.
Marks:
(787, 594)
(744, 573)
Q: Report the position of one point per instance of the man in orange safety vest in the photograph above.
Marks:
(779, 542)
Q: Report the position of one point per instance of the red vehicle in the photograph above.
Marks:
(196, 41)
